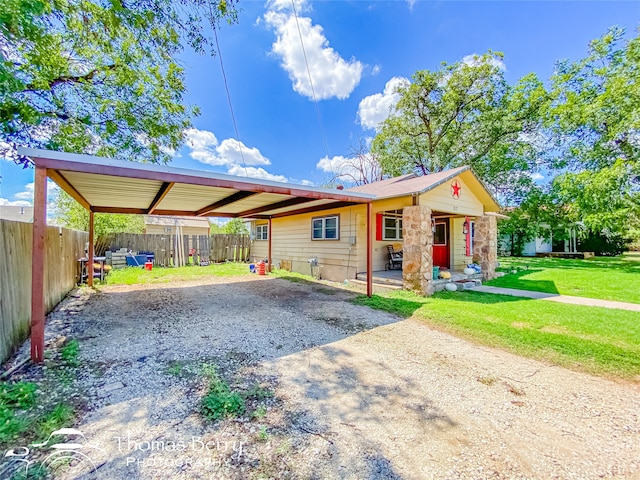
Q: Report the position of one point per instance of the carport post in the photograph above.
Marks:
(90, 250)
(269, 245)
(38, 264)
(369, 248)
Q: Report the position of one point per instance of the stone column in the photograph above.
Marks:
(417, 242)
(485, 245)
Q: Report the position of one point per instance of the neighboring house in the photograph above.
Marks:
(16, 213)
(543, 244)
(443, 219)
(167, 225)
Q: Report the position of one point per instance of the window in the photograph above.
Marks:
(392, 228)
(168, 229)
(262, 232)
(325, 228)
(440, 235)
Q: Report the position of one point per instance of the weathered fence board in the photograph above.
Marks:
(168, 249)
(64, 247)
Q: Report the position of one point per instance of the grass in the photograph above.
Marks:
(135, 275)
(606, 278)
(595, 340)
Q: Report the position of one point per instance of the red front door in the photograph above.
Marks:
(441, 253)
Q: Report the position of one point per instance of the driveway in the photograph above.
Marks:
(352, 393)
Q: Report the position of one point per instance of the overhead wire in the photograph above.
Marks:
(226, 86)
(313, 92)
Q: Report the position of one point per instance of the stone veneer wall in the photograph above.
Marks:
(417, 241)
(485, 245)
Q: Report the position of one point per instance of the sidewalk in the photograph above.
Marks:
(555, 297)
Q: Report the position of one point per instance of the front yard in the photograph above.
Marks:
(606, 278)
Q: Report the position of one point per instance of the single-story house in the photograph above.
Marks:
(445, 219)
(543, 243)
(16, 213)
(169, 224)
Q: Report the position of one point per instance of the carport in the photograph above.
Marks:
(103, 185)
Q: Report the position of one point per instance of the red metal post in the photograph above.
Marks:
(90, 252)
(38, 264)
(369, 253)
(269, 245)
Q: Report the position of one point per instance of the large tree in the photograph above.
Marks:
(466, 114)
(595, 118)
(100, 77)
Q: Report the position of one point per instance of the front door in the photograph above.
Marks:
(441, 253)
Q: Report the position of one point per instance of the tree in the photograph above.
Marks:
(359, 168)
(236, 226)
(73, 215)
(99, 77)
(595, 118)
(466, 114)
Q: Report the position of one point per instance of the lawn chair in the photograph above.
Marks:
(395, 258)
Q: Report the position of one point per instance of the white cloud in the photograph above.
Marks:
(234, 151)
(411, 4)
(307, 183)
(27, 194)
(374, 109)
(206, 149)
(332, 76)
(474, 59)
(255, 172)
(347, 169)
(537, 176)
(4, 202)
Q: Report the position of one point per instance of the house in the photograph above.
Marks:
(543, 244)
(445, 219)
(168, 225)
(16, 213)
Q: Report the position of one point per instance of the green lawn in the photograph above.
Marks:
(607, 278)
(591, 339)
(133, 275)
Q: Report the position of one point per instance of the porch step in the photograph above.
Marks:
(387, 279)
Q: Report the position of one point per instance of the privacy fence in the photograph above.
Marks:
(64, 247)
(177, 250)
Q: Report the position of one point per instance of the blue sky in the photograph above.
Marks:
(357, 51)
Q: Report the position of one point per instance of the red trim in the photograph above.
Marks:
(379, 222)
(468, 237)
(369, 258)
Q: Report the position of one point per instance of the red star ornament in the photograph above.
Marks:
(455, 189)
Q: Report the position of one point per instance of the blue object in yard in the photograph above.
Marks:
(252, 268)
(136, 260)
(436, 272)
(150, 256)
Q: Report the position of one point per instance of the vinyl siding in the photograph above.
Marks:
(440, 199)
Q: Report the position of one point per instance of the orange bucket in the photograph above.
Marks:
(262, 268)
(148, 266)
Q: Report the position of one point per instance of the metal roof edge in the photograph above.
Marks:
(35, 154)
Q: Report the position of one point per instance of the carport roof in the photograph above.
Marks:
(105, 185)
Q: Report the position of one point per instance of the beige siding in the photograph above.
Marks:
(440, 199)
(379, 254)
(160, 229)
(459, 258)
(291, 241)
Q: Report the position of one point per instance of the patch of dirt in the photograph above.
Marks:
(357, 393)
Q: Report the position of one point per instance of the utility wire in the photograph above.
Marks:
(226, 86)
(313, 92)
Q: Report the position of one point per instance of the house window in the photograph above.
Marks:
(440, 235)
(392, 228)
(168, 229)
(325, 228)
(262, 232)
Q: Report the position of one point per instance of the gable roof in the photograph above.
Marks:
(413, 184)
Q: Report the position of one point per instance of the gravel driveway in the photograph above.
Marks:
(356, 393)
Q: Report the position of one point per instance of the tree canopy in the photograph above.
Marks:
(100, 77)
(465, 114)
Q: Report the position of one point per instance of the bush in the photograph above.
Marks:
(604, 244)
(220, 401)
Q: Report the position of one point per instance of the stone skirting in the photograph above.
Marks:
(485, 245)
(417, 244)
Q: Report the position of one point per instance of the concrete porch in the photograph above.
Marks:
(392, 279)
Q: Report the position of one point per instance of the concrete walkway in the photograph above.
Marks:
(555, 297)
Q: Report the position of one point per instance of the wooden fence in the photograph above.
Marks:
(176, 250)
(64, 247)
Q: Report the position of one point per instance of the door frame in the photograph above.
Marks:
(447, 239)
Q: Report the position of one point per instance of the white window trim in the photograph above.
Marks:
(264, 228)
(398, 220)
(324, 227)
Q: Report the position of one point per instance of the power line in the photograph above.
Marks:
(226, 86)
(313, 92)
